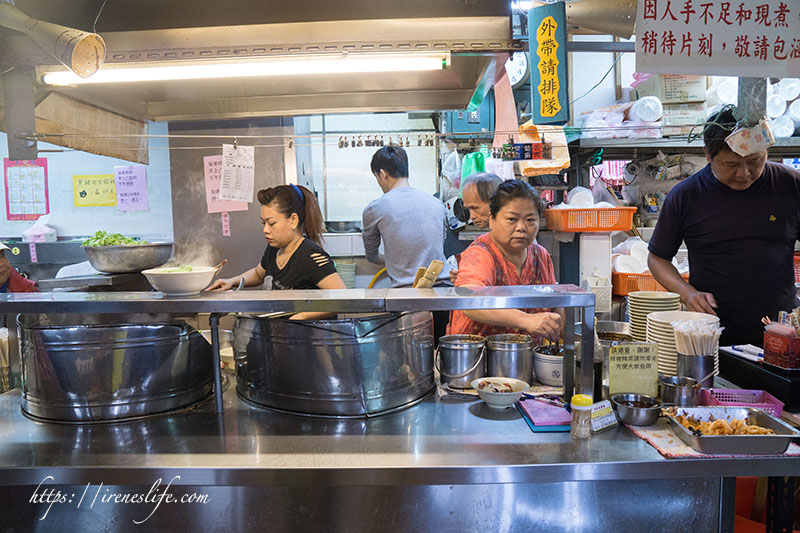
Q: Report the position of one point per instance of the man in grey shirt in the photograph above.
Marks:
(410, 222)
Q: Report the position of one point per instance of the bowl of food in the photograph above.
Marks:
(185, 280)
(636, 409)
(499, 393)
(114, 253)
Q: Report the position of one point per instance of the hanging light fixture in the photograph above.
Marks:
(257, 67)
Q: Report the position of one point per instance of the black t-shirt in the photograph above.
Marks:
(740, 244)
(307, 266)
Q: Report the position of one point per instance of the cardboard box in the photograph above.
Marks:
(678, 119)
(673, 88)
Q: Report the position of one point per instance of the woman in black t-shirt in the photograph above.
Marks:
(291, 260)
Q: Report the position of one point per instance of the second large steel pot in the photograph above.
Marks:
(84, 373)
(349, 367)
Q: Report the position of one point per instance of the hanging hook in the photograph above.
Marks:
(235, 143)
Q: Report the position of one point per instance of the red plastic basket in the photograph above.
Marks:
(742, 398)
(623, 284)
(590, 219)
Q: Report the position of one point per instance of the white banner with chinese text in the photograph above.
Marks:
(748, 38)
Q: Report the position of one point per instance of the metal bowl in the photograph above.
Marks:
(129, 257)
(350, 226)
(644, 415)
(679, 390)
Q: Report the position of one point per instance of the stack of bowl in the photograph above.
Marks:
(347, 271)
(642, 303)
(660, 331)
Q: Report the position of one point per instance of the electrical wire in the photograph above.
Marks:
(601, 79)
(94, 26)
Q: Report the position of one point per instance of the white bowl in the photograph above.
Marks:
(499, 400)
(180, 283)
(548, 369)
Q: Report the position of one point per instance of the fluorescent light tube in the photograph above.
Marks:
(248, 68)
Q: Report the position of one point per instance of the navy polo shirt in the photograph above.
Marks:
(740, 244)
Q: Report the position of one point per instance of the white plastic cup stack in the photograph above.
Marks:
(776, 105)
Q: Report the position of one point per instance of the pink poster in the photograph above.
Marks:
(131, 185)
(212, 167)
(27, 196)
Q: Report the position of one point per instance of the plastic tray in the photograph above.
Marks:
(590, 219)
(735, 444)
(623, 284)
(758, 399)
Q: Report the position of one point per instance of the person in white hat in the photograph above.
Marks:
(10, 280)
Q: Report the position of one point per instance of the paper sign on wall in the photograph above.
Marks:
(750, 38)
(96, 190)
(27, 196)
(212, 168)
(633, 367)
(238, 173)
(131, 187)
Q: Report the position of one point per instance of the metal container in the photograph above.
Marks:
(84, 373)
(645, 415)
(349, 226)
(679, 390)
(510, 356)
(460, 361)
(346, 367)
(697, 367)
(128, 258)
(735, 444)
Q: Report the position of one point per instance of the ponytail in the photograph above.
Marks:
(297, 199)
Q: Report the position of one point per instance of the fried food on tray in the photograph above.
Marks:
(719, 426)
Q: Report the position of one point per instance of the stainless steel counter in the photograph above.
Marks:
(433, 442)
(436, 465)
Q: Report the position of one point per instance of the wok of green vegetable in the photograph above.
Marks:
(101, 238)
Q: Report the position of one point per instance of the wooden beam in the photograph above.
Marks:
(66, 119)
(58, 115)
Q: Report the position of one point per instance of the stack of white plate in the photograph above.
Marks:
(347, 271)
(659, 330)
(642, 303)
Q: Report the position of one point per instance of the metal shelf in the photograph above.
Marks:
(783, 146)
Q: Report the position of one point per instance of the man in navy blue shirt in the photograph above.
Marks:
(739, 217)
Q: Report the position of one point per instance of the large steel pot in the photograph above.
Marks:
(346, 367)
(82, 373)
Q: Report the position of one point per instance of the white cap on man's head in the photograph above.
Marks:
(4, 247)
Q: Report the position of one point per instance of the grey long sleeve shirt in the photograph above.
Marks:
(412, 226)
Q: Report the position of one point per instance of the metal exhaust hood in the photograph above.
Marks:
(477, 34)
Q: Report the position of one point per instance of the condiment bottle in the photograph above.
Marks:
(581, 427)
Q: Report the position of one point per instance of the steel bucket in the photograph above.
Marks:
(510, 356)
(459, 360)
(346, 367)
(84, 373)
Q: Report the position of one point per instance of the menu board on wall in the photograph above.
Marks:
(238, 173)
(27, 196)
